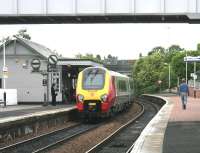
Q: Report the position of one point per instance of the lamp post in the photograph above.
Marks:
(5, 69)
(186, 66)
(169, 75)
(194, 75)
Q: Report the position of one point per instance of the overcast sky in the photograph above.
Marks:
(123, 40)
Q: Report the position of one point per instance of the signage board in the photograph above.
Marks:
(5, 72)
(44, 82)
(52, 60)
(192, 59)
(193, 75)
(35, 64)
(5, 69)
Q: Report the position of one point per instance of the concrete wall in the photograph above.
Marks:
(29, 85)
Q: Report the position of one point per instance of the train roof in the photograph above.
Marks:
(113, 73)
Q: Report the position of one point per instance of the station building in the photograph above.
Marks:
(30, 88)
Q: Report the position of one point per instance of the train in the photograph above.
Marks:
(102, 93)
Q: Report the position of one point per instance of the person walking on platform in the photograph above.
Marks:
(183, 92)
(53, 94)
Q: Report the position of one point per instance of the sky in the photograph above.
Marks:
(125, 40)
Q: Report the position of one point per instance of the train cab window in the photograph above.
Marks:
(122, 86)
(93, 79)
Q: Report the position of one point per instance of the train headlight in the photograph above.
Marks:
(104, 97)
(80, 98)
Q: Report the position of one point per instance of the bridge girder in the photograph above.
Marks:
(99, 11)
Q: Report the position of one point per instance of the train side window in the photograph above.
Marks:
(0, 82)
(122, 85)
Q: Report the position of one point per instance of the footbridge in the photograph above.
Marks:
(99, 11)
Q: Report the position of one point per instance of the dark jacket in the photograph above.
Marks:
(53, 91)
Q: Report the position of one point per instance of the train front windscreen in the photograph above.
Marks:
(93, 79)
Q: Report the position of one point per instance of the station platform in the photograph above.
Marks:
(17, 112)
(22, 120)
(173, 129)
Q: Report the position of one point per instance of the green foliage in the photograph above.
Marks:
(198, 47)
(107, 60)
(22, 33)
(171, 52)
(90, 57)
(158, 49)
(148, 70)
(178, 65)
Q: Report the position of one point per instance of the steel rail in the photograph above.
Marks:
(22, 143)
(107, 139)
(64, 140)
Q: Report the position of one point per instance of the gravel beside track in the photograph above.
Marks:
(42, 141)
(41, 132)
(88, 140)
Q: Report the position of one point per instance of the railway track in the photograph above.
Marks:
(122, 140)
(45, 142)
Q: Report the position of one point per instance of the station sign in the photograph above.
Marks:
(192, 59)
(5, 72)
(35, 64)
(51, 68)
(52, 60)
(193, 75)
(44, 82)
(5, 69)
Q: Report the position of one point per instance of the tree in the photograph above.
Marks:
(22, 33)
(79, 56)
(98, 57)
(178, 64)
(175, 48)
(147, 71)
(171, 51)
(158, 49)
(198, 46)
(112, 60)
(140, 55)
(109, 56)
(89, 56)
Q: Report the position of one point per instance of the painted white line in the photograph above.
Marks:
(36, 114)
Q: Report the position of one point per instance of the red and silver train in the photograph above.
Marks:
(101, 92)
